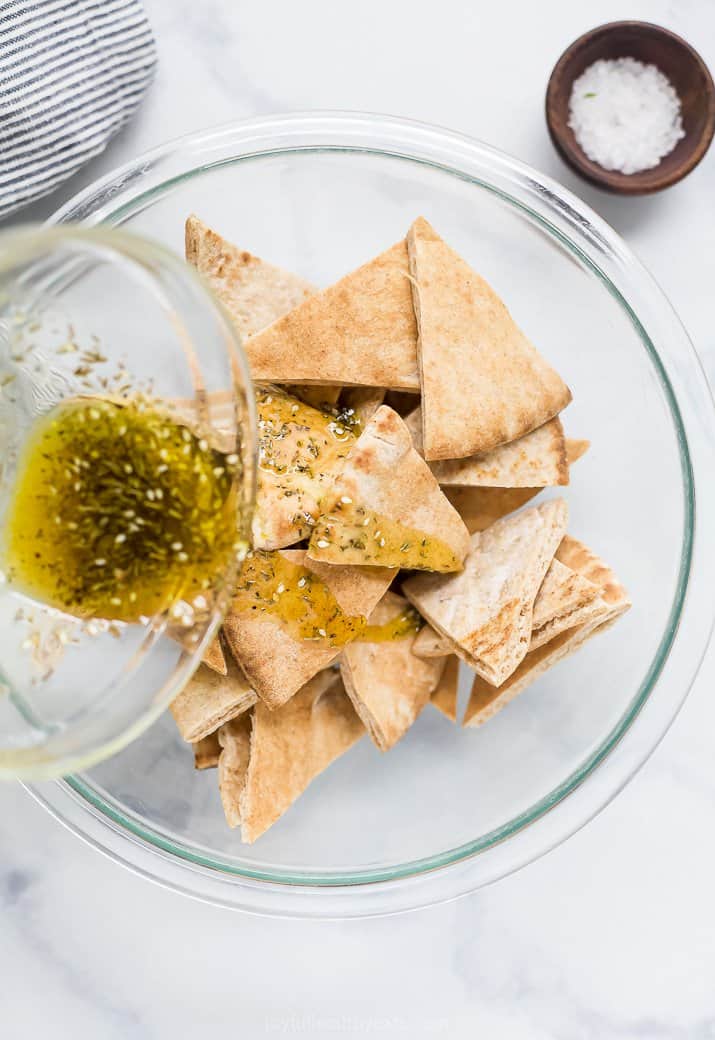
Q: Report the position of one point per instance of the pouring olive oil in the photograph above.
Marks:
(119, 511)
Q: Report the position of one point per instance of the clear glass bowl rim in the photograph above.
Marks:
(578, 798)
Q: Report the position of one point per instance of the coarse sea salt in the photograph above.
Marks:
(625, 115)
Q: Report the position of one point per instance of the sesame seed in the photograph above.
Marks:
(322, 632)
(281, 588)
(301, 583)
(120, 538)
(100, 562)
(182, 557)
(177, 546)
(203, 444)
(232, 459)
(322, 544)
(346, 500)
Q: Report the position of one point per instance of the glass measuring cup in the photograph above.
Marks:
(98, 314)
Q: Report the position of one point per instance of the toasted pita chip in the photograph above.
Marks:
(483, 383)
(288, 748)
(387, 684)
(357, 590)
(283, 638)
(431, 644)
(254, 292)
(214, 657)
(538, 459)
(235, 742)
(208, 700)
(575, 449)
(321, 397)
(206, 752)
(300, 450)
(445, 694)
(360, 403)
(485, 701)
(564, 599)
(359, 332)
(486, 610)
(385, 508)
(481, 507)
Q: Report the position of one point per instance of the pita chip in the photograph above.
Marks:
(360, 403)
(480, 507)
(254, 292)
(387, 684)
(538, 459)
(300, 450)
(357, 590)
(385, 507)
(429, 643)
(444, 696)
(235, 743)
(321, 397)
(485, 701)
(214, 657)
(565, 599)
(486, 610)
(263, 769)
(483, 383)
(283, 638)
(206, 752)
(575, 449)
(359, 332)
(209, 699)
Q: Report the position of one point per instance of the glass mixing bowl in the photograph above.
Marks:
(90, 318)
(447, 810)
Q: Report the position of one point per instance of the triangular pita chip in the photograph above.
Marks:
(359, 332)
(486, 610)
(214, 657)
(208, 700)
(538, 459)
(575, 449)
(564, 599)
(206, 752)
(445, 694)
(385, 508)
(235, 741)
(431, 644)
(321, 397)
(485, 701)
(357, 590)
(254, 292)
(387, 684)
(287, 626)
(300, 450)
(359, 404)
(481, 507)
(262, 773)
(483, 383)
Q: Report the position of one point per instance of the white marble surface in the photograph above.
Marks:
(610, 936)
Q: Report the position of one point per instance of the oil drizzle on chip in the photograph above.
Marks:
(273, 585)
(304, 605)
(351, 534)
(119, 512)
(299, 450)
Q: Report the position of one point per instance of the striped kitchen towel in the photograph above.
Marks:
(72, 72)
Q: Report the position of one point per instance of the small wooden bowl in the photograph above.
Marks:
(685, 69)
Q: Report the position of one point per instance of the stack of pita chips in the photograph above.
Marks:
(404, 421)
